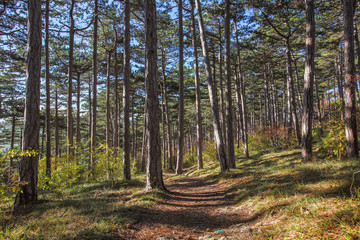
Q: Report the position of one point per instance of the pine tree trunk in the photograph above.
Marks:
(350, 81)
(108, 120)
(153, 169)
(180, 153)
(70, 138)
(242, 97)
(28, 172)
(57, 137)
(116, 102)
(47, 80)
(126, 95)
(308, 82)
(339, 76)
(197, 91)
(78, 96)
(169, 130)
(228, 101)
(219, 144)
(94, 91)
(12, 140)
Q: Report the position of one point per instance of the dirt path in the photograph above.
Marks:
(196, 209)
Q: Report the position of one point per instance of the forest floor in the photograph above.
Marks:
(195, 208)
(272, 195)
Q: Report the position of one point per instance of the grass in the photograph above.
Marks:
(283, 197)
(84, 211)
(294, 200)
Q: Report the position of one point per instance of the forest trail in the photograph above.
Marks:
(196, 208)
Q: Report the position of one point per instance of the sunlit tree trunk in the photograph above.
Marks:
(350, 81)
(78, 87)
(108, 120)
(308, 107)
(219, 143)
(28, 171)
(153, 169)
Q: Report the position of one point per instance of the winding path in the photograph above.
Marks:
(196, 209)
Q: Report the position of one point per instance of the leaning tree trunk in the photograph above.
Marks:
(28, 172)
(350, 81)
(180, 153)
(308, 107)
(219, 143)
(153, 169)
(126, 95)
(197, 86)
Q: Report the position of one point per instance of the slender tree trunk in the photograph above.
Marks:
(28, 172)
(308, 82)
(78, 87)
(339, 71)
(70, 138)
(143, 149)
(219, 144)
(291, 93)
(47, 80)
(350, 81)
(180, 153)
(221, 89)
(57, 137)
(242, 96)
(153, 169)
(108, 121)
(12, 140)
(357, 43)
(228, 102)
(126, 96)
(116, 102)
(94, 91)
(197, 91)
(169, 130)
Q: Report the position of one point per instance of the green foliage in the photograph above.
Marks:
(334, 139)
(209, 152)
(271, 138)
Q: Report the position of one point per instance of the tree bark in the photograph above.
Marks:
(153, 169)
(350, 81)
(219, 144)
(180, 153)
(308, 107)
(197, 87)
(108, 120)
(78, 96)
(28, 172)
(228, 101)
(116, 102)
(126, 95)
(169, 130)
(94, 91)
(12, 140)
(47, 80)
(242, 97)
(70, 137)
